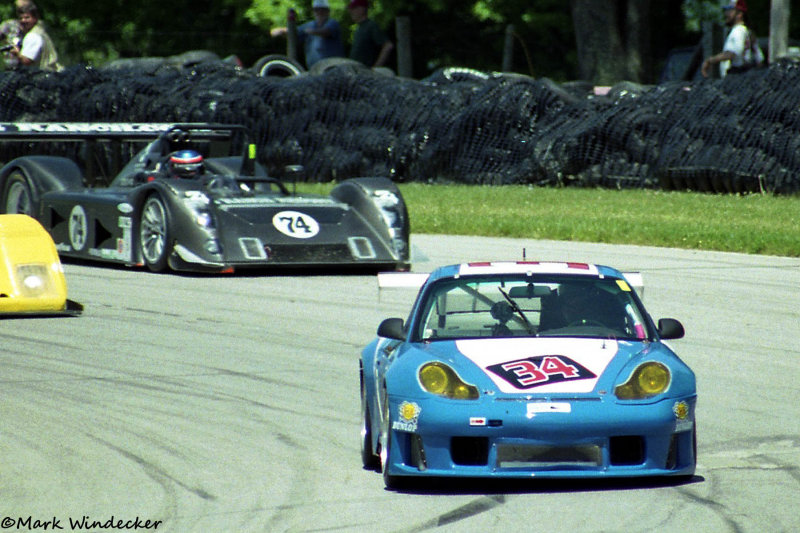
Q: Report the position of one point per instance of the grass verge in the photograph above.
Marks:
(753, 224)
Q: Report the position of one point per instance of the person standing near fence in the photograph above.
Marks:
(36, 49)
(740, 51)
(11, 36)
(370, 46)
(321, 37)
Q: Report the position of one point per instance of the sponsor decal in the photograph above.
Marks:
(408, 415)
(78, 228)
(548, 407)
(682, 420)
(477, 421)
(303, 200)
(85, 127)
(271, 201)
(295, 224)
(124, 244)
(540, 370)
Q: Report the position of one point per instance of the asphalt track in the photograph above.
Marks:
(230, 403)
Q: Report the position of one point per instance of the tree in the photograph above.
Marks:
(612, 39)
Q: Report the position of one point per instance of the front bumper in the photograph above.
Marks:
(557, 439)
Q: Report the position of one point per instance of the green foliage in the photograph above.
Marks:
(92, 32)
(466, 33)
(689, 220)
(698, 12)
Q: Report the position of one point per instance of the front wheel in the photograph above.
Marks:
(17, 196)
(368, 457)
(391, 481)
(154, 234)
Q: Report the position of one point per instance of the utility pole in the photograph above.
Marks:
(405, 67)
(778, 29)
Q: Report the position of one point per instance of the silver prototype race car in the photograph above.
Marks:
(193, 197)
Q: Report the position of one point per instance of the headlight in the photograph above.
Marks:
(198, 202)
(440, 379)
(649, 379)
(34, 279)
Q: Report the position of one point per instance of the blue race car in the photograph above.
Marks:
(526, 369)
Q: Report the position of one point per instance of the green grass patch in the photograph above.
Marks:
(754, 224)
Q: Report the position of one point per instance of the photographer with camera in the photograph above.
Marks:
(35, 49)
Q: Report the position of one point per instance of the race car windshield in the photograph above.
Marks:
(554, 306)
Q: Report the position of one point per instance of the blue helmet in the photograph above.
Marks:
(185, 164)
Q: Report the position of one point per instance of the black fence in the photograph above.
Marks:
(739, 134)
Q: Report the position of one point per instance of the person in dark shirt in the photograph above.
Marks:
(370, 45)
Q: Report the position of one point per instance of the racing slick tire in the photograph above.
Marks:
(17, 195)
(155, 240)
(278, 66)
(391, 482)
(368, 457)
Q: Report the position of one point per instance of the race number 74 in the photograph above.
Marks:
(295, 224)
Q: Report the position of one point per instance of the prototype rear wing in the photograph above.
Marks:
(121, 131)
(106, 143)
(65, 131)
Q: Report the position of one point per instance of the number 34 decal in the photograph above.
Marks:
(295, 224)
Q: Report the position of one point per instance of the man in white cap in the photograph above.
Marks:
(321, 37)
(740, 51)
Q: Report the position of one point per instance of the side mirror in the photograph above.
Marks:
(392, 328)
(669, 328)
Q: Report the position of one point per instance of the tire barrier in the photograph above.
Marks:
(278, 66)
(339, 120)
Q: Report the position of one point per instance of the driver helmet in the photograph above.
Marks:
(185, 164)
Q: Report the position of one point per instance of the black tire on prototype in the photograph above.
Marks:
(17, 195)
(155, 240)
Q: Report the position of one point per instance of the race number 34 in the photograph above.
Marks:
(295, 224)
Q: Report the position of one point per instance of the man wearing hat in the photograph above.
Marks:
(741, 51)
(370, 45)
(321, 37)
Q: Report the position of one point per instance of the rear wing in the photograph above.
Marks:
(415, 280)
(102, 164)
(77, 131)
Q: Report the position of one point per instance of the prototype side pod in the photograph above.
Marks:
(32, 278)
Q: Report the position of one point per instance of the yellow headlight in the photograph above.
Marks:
(653, 378)
(438, 378)
(433, 378)
(649, 379)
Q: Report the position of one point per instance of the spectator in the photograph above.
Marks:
(11, 36)
(370, 45)
(321, 37)
(741, 51)
(36, 49)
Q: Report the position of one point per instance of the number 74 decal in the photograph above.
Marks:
(295, 224)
